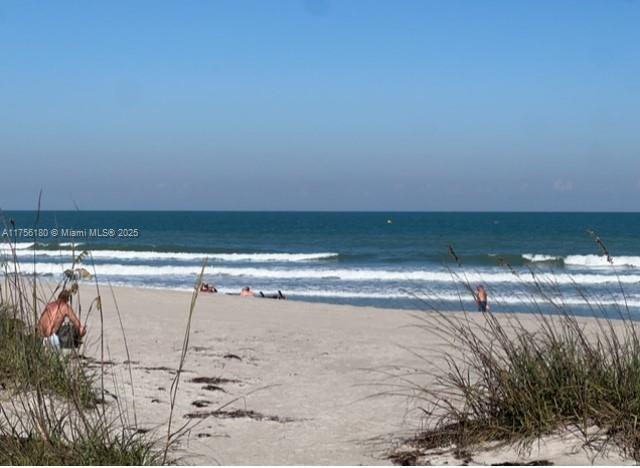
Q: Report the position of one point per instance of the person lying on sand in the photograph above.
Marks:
(273, 296)
(246, 292)
(206, 287)
(52, 317)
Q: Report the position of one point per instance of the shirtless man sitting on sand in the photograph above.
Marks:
(52, 318)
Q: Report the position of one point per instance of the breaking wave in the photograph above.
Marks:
(113, 269)
(584, 260)
(131, 255)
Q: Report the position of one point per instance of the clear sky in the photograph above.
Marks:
(320, 105)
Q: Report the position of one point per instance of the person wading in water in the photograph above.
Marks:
(481, 298)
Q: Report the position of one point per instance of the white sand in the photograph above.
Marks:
(309, 365)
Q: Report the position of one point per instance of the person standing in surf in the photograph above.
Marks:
(481, 298)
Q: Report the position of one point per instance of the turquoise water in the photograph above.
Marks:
(380, 259)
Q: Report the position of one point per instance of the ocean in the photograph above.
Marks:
(394, 260)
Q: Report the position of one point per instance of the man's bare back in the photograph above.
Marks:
(481, 298)
(55, 313)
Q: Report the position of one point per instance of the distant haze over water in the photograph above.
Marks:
(394, 259)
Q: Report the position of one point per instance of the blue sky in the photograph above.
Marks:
(320, 105)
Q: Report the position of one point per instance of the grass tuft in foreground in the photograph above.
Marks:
(514, 384)
(95, 448)
(50, 413)
(507, 383)
(25, 364)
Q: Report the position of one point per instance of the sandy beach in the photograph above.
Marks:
(287, 382)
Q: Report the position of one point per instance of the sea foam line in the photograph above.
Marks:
(431, 298)
(435, 298)
(187, 256)
(25, 248)
(585, 260)
(8, 246)
(336, 274)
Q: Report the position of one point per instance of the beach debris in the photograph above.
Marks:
(214, 388)
(160, 368)
(236, 414)
(201, 403)
(463, 455)
(410, 458)
(95, 362)
(232, 356)
(213, 380)
(531, 463)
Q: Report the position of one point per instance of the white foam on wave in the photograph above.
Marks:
(186, 256)
(8, 246)
(588, 261)
(271, 257)
(535, 258)
(601, 261)
(24, 248)
(427, 276)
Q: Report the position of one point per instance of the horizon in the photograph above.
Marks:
(321, 106)
(9, 210)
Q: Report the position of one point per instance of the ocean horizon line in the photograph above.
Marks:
(117, 210)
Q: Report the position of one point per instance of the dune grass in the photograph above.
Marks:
(52, 404)
(509, 383)
(513, 384)
(25, 364)
(50, 409)
(103, 446)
